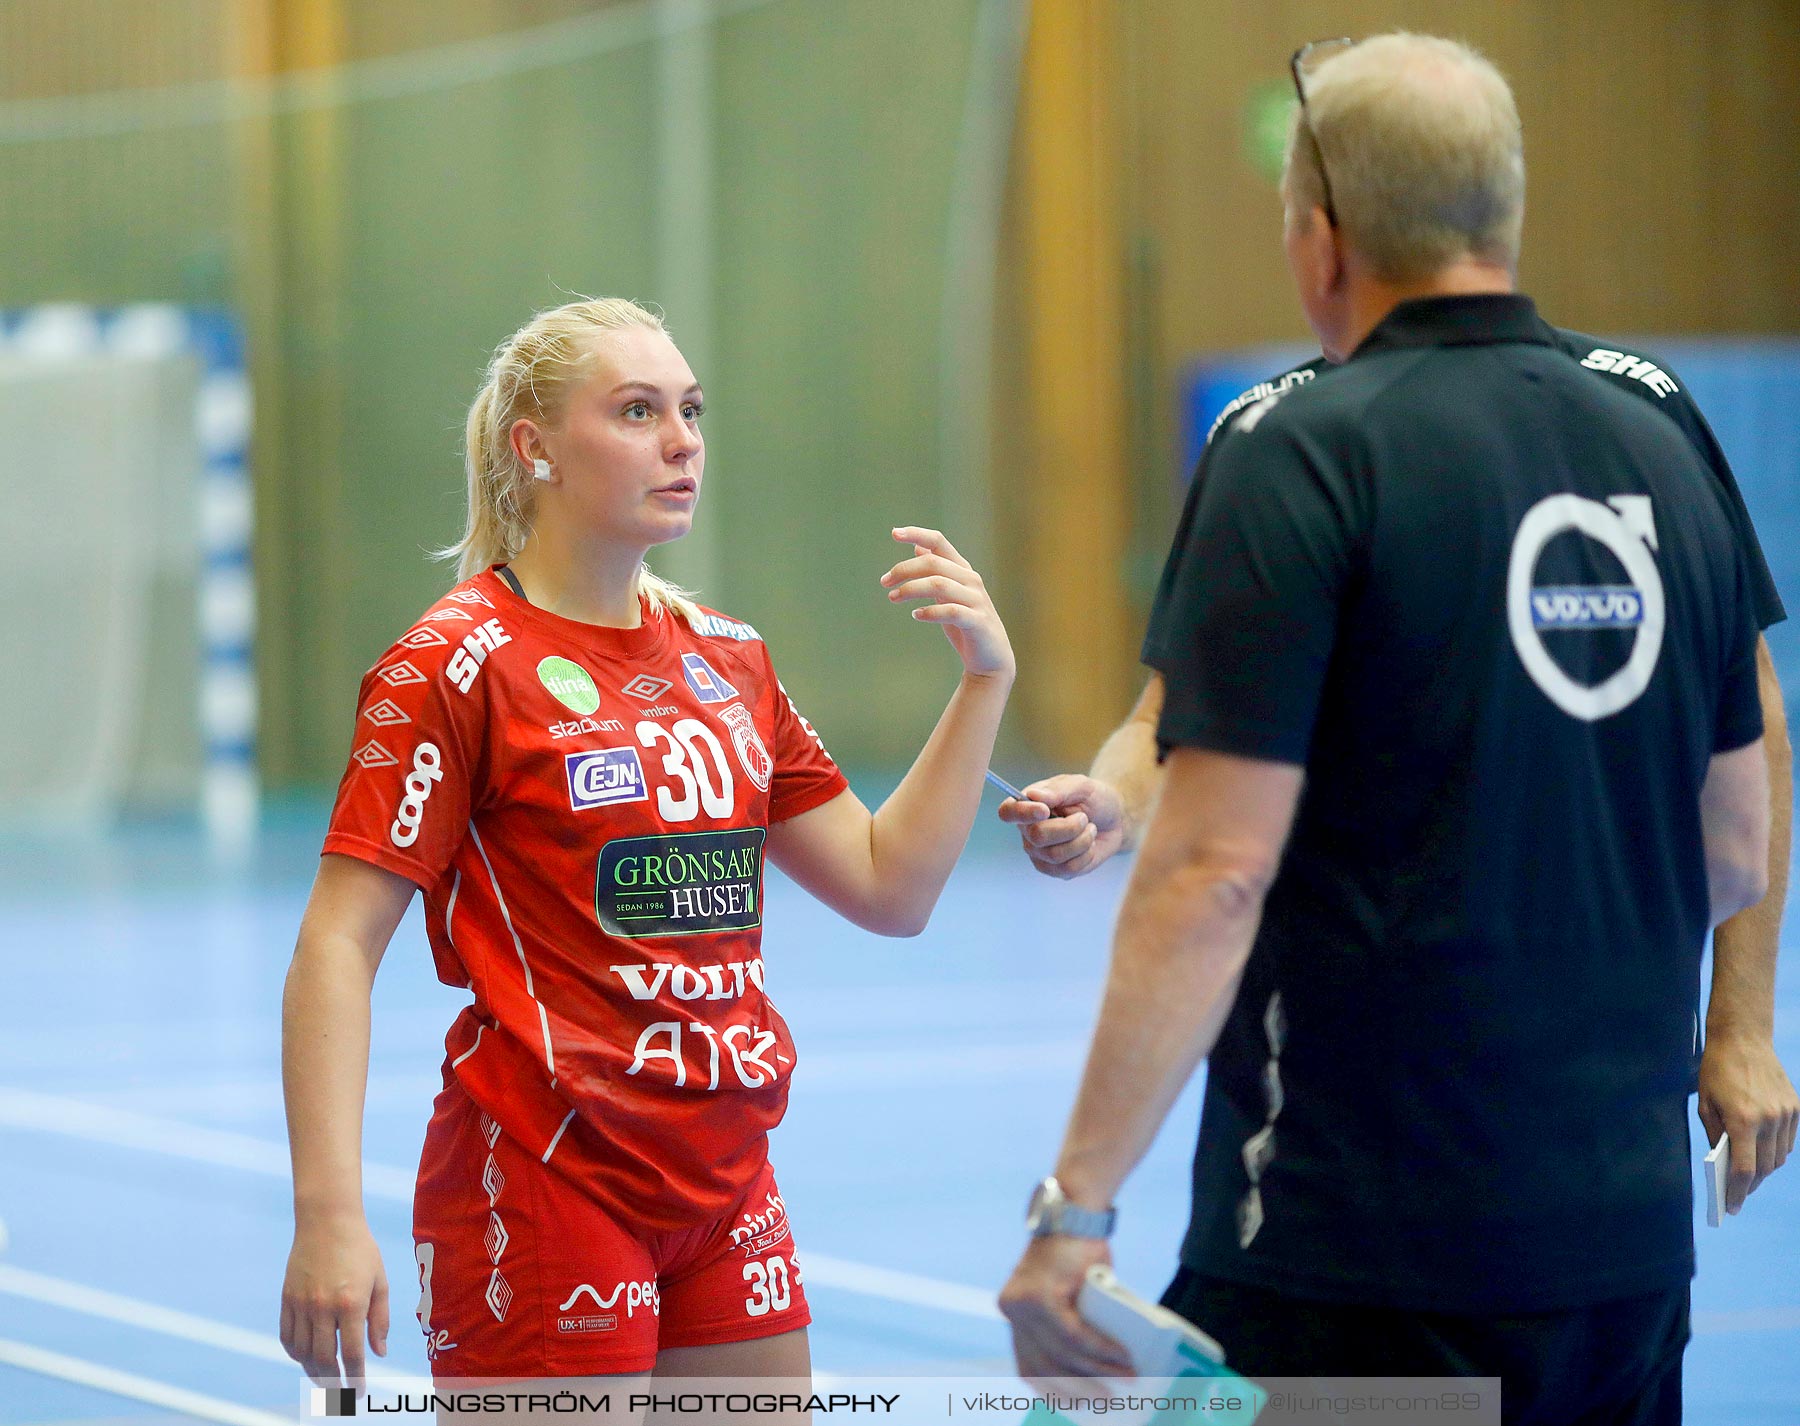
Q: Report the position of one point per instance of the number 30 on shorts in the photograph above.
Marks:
(769, 1290)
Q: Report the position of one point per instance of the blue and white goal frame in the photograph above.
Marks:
(229, 789)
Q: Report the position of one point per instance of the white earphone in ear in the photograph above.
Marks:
(541, 468)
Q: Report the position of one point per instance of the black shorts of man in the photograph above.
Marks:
(1463, 759)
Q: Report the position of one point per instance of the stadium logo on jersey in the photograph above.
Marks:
(707, 685)
(398, 675)
(1626, 527)
(575, 727)
(1260, 392)
(423, 637)
(680, 885)
(427, 772)
(645, 689)
(477, 644)
(1625, 364)
(569, 685)
(749, 745)
(372, 755)
(470, 596)
(714, 627)
(603, 776)
(386, 713)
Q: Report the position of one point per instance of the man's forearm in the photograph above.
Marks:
(1127, 762)
(1745, 947)
(1178, 954)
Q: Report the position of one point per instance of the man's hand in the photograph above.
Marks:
(1070, 824)
(1745, 1092)
(1049, 1337)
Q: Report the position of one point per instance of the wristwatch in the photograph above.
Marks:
(1051, 1212)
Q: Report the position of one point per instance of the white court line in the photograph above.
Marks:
(168, 1322)
(53, 1114)
(76, 1119)
(133, 1387)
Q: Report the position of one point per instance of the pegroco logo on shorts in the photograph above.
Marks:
(427, 772)
(636, 1295)
(1626, 526)
(680, 885)
(603, 776)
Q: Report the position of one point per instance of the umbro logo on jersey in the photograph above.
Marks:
(423, 638)
(645, 689)
(707, 685)
(446, 615)
(398, 675)
(604, 776)
(471, 596)
(386, 713)
(499, 1296)
(372, 755)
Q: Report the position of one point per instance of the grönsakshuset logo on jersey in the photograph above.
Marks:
(680, 884)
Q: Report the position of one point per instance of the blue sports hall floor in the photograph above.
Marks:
(143, 1168)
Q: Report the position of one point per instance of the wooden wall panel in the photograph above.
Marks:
(1663, 198)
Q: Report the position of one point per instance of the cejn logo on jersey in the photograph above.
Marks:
(708, 687)
(477, 644)
(1626, 526)
(427, 772)
(604, 776)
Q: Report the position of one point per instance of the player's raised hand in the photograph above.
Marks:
(1069, 823)
(957, 600)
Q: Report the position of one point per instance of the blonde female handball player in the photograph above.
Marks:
(582, 770)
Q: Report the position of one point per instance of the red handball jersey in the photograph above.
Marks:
(585, 809)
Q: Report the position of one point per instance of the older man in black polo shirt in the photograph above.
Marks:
(1464, 757)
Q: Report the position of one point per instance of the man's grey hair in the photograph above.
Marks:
(1421, 144)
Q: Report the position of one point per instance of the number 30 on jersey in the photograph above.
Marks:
(694, 760)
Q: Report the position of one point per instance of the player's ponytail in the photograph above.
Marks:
(529, 375)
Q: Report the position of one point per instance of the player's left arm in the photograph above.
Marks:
(884, 870)
(1184, 934)
(1744, 1091)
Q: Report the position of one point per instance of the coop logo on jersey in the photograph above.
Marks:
(427, 772)
(569, 684)
(707, 685)
(680, 885)
(748, 745)
(1626, 526)
(603, 776)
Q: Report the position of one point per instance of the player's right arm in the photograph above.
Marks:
(1074, 822)
(335, 1286)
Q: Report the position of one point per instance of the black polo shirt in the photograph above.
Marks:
(1498, 610)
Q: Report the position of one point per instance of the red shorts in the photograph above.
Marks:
(521, 1274)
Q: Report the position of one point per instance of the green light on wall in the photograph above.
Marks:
(1266, 114)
